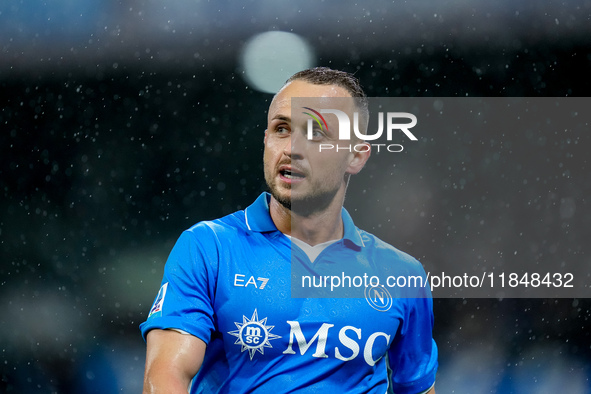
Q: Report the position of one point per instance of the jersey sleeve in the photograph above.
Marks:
(186, 296)
(413, 355)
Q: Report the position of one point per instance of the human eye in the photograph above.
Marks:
(282, 130)
(318, 134)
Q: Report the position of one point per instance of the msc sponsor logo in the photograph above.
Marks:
(254, 335)
(348, 338)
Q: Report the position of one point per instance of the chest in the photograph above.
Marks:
(258, 319)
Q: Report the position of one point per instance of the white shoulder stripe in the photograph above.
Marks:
(361, 238)
(246, 218)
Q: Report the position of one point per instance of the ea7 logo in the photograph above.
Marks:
(239, 281)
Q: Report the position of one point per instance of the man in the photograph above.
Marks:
(224, 319)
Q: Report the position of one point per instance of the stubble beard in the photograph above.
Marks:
(307, 205)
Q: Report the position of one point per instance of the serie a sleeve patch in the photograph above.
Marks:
(156, 309)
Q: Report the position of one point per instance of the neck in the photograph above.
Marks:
(313, 229)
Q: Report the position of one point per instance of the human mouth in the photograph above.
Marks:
(289, 174)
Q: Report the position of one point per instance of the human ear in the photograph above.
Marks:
(358, 158)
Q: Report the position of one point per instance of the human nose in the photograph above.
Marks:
(295, 145)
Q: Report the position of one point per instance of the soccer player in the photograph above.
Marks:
(224, 319)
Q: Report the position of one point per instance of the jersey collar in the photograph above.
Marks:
(258, 219)
(352, 234)
(257, 215)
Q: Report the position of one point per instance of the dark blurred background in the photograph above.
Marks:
(125, 122)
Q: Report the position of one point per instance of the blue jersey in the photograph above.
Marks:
(228, 282)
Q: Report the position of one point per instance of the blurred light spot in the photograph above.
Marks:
(567, 208)
(269, 59)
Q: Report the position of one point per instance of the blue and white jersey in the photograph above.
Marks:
(228, 282)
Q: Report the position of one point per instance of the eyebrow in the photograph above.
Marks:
(282, 117)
